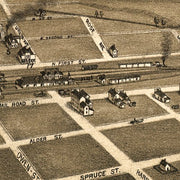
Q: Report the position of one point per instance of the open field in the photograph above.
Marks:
(112, 27)
(147, 141)
(121, 177)
(65, 49)
(141, 44)
(141, 12)
(10, 168)
(158, 176)
(105, 112)
(7, 59)
(32, 121)
(175, 99)
(55, 27)
(73, 158)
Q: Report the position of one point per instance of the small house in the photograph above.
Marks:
(164, 165)
(113, 51)
(114, 98)
(26, 55)
(12, 41)
(161, 96)
(81, 102)
(102, 79)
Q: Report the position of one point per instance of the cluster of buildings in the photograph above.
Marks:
(48, 77)
(120, 98)
(25, 55)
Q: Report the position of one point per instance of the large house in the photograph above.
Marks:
(12, 41)
(26, 55)
(114, 97)
(161, 96)
(81, 102)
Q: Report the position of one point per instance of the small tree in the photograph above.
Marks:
(96, 14)
(156, 21)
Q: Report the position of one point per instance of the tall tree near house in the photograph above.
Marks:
(166, 45)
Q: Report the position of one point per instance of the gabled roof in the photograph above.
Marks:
(79, 94)
(83, 104)
(123, 94)
(164, 162)
(25, 50)
(112, 91)
(160, 93)
(113, 47)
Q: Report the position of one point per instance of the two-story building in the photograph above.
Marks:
(81, 102)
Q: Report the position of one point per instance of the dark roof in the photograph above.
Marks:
(113, 47)
(83, 104)
(52, 71)
(102, 77)
(112, 91)
(160, 93)
(164, 162)
(25, 50)
(123, 94)
(79, 94)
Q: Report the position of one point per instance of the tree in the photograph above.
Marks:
(156, 21)
(166, 45)
(96, 13)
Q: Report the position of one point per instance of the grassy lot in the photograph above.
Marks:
(158, 176)
(32, 121)
(76, 155)
(8, 59)
(121, 177)
(10, 168)
(65, 49)
(105, 26)
(63, 26)
(137, 44)
(147, 141)
(175, 99)
(107, 113)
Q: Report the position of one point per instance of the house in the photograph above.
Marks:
(26, 55)
(161, 96)
(164, 165)
(113, 51)
(102, 79)
(52, 73)
(114, 98)
(81, 102)
(12, 41)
